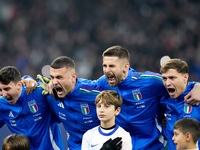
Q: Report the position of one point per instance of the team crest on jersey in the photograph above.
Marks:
(33, 106)
(85, 108)
(187, 108)
(137, 94)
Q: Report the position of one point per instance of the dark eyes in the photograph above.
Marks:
(171, 78)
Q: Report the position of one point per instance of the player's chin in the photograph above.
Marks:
(12, 102)
(62, 94)
(112, 84)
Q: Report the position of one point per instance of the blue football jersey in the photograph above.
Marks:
(141, 93)
(77, 111)
(177, 109)
(31, 116)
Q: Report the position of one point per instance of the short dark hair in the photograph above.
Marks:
(109, 97)
(189, 125)
(16, 142)
(63, 61)
(178, 64)
(118, 51)
(9, 74)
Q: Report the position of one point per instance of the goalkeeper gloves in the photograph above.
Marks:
(115, 144)
(45, 81)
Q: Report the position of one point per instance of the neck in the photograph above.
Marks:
(74, 84)
(109, 128)
(191, 146)
(108, 124)
(125, 74)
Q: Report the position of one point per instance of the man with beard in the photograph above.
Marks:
(140, 92)
(25, 114)
(76, 110)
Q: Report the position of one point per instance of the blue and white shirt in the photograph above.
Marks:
(94, 138)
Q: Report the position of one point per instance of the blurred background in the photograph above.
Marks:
(34, 32)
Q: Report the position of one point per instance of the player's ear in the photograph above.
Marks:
(19, 84)
(74, 76)
(127, 66)
(188, 136)
(186, 77)
(117, 111)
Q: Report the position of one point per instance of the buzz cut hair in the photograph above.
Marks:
(63, 61)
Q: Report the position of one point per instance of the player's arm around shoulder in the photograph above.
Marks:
(38, 96)
(193, 97)
(29, 83)
(155, 83)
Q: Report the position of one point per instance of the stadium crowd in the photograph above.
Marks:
(33, 33)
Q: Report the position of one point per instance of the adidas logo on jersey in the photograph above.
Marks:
(11, 114)
(168, 107)
(61, 105)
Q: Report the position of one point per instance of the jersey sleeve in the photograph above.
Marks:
(26, 77)
(193, 83)
(53, 105)
(156, 84)
(101, 82)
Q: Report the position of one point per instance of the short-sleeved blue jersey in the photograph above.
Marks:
(141, 93)
(77, 112)
(177, 109)
(31, 116)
